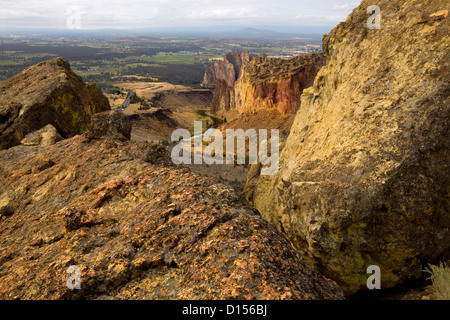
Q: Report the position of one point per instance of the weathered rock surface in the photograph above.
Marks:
(365, 174)
(227, 70)
(267, 83)
(43, 137)
(47, 93)
(137, 228)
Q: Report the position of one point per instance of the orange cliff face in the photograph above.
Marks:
(267, 83)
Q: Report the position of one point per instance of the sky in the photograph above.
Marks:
(125, 14)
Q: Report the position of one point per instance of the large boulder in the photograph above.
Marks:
(364, 176)
(47, 93)
(43, 137)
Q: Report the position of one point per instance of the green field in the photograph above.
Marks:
(9, 63)
(176, 58)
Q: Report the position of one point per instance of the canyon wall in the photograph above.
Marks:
(269, 83)
(228, 69)
(364, 176)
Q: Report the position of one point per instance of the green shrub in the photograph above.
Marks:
(135, 99)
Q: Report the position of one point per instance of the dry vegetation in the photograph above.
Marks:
(440, 276)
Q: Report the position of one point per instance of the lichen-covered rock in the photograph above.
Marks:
(47, 93)
(269, 84)
(137, 228)
(365, 174)
(43, 137)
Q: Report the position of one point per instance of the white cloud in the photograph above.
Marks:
(345, 7)
(140, 13)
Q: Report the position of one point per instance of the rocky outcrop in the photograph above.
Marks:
(136, 227)
(47, 93)
(365, 175)
(267, 83)
(228, 69)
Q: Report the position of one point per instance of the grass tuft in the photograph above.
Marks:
(440, 276)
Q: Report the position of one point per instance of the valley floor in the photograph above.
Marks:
(179, 107)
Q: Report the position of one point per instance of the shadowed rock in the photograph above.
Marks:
(227, 70)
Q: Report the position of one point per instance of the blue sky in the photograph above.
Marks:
(122, 14)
